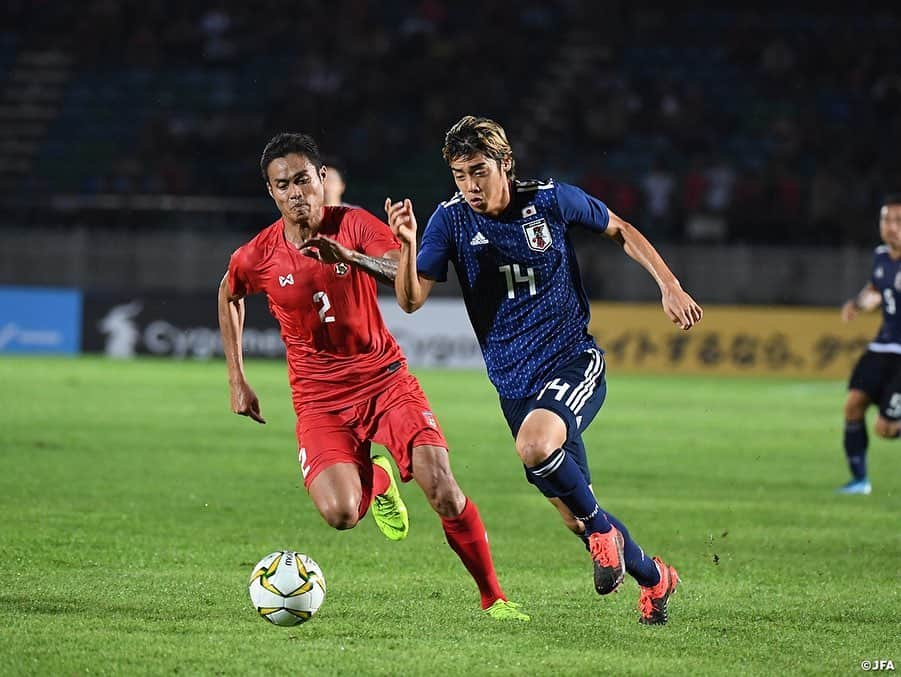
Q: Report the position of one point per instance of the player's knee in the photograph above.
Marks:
(533, 449)
(854, 411)
(856, 407)
(886, 428)
(340, 515)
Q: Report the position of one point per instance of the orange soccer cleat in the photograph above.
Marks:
(652, 601)
(609, 565)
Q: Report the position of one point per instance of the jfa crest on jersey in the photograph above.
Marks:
(538, 235)
(887, 280)
(520, 279)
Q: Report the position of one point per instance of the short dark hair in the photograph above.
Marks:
(286, 143)
(471, 135)
(892, 199)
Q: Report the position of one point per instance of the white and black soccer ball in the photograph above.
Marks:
(287, 588)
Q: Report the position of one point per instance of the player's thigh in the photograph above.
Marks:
(334, 460)
(337, 493)
(541, 433)
(401, 419)
(564, 407)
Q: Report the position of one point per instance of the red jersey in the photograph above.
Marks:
(339, 350)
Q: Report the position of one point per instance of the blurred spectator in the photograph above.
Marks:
(193, 90)
(658, 186)
(720, 179)
(334, 185)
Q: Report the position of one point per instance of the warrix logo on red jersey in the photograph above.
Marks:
(284, 280)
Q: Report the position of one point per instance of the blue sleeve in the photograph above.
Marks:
(435, 248)
(577, 206)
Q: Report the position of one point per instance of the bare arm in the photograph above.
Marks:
(868, 299)
(677, 304)
(326, 250)
(410, 288)
(231, 325)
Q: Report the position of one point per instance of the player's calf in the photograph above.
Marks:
(432, 472)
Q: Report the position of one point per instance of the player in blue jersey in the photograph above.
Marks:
(508, 242)
(876, 378)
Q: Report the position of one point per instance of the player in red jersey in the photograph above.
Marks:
(349, 381)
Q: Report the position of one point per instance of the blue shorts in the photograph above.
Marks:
(879, 376)
(575, 392)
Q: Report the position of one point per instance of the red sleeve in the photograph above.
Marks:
(240, 273)
(374, 237)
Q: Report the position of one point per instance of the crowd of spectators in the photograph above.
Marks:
(711, 126)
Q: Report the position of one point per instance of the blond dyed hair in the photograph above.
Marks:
(471, 135)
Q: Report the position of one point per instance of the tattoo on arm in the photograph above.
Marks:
(381, 268)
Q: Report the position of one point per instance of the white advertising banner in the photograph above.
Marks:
(436, 335)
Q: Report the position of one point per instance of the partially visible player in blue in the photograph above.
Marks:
(508, 242)
(876, 378)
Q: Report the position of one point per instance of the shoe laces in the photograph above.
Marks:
(603, 548)
(646, 599)
(387, 506)
(646, 603)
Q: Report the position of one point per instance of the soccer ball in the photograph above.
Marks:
(287, 588)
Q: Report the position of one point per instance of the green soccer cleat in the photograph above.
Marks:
(503, 610)
(388, 509)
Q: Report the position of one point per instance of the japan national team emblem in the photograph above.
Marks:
(341, 268)
(284, 280)
(878, 273)
(538, 235)
(430, 419)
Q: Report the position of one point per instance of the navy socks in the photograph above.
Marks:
(856, 448)
(562, 475)
(641, 567)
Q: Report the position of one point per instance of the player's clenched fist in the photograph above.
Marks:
(245, 402)
(402, 220)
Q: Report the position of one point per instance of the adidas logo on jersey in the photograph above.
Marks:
(478, 239)
(286, 279)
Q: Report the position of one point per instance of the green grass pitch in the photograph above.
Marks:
(133, 506)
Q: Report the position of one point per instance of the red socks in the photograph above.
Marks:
(466, 535)
(379, 485)
(380, 480)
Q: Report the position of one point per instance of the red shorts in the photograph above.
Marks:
(399, 418)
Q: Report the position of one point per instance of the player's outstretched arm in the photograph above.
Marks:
(681, 309)
(326, 250)
(867, 300)
(410, 288)
(231, 325)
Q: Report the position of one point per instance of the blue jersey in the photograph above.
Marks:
(887, 280)
(520, 278)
